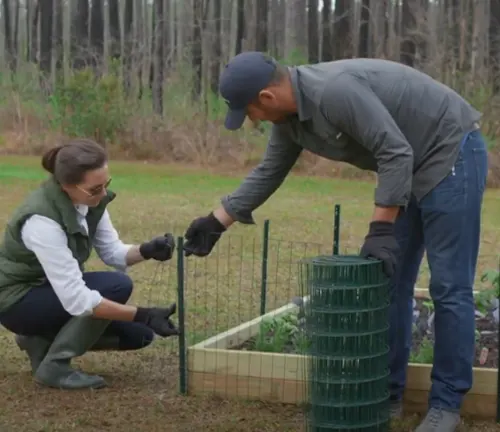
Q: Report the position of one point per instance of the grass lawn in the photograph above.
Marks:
(221, 291)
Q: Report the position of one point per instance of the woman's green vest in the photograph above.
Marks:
(20, 270)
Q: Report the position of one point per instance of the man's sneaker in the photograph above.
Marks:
(439, 420)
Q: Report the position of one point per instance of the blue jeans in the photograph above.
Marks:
(446, 224)
(40, 313)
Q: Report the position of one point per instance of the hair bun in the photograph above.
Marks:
(49, 159)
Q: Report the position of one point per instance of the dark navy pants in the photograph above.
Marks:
(40, 312)
(446, 224)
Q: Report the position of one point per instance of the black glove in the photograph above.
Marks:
(160, 248)
(381, 244)
(202, 235)
(158, 319)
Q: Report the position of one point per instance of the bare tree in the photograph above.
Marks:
(364, 30)
(408, 46)
(313, 40)
(261, 40)
(158, 56)
(217, 46)
(114, 28)
(197, 47)
(494, 33)
(8, 37)
(327, 46)
(342, 35)
(97, 32)
(240, 25)
(46, 14)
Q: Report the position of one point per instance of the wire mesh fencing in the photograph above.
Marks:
(237, 317)
(241, 314)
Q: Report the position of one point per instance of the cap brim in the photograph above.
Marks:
(235, 119)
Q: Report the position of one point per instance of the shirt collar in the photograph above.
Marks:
(304, 112)
(82, 209)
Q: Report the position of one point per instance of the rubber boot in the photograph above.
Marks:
(76, 337)
(36, 348)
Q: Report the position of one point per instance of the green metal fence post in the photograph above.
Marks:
(336, 229)
(265, 254)
(181, 317)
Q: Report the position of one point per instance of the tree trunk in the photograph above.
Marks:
(240, 25)
(313, 37)
(57, 34)
(342, 37)
(33, 56)
(364, 30)
(158, 56)
(80, 36)
(494, 36)
(128, 46)
(9, 45)
(97, 33)
(261, 40)
(217, 47)
(408, 47)
(197, 49)
(327, 53)
(45, 36)
(114, 29)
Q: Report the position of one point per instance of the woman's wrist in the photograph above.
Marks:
(111, 310)
(134, 255)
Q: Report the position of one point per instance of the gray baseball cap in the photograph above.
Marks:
(242, 79)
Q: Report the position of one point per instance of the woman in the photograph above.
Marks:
(57, 310)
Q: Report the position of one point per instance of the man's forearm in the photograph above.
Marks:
(385, 214)
(281, 155)
(223, 217)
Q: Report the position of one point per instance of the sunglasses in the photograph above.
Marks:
(92, 192)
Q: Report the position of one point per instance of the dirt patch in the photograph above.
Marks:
(142, 396)
(140, 400)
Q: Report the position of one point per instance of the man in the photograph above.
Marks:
(423, 140)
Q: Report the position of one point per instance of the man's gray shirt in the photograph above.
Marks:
(374, 114)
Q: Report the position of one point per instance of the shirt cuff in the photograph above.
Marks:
(92, 300)
(244, 217)
(120, 257)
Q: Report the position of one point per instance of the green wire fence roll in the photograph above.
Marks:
(346, 316)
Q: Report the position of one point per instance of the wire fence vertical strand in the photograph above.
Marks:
(336, 230)
(181, 317)
(265, 253)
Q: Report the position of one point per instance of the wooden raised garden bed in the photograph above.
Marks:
(262, 359)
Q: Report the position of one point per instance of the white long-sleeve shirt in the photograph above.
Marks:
(47, 240)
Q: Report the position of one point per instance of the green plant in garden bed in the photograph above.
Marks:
(484, 304)
(485, 297)
(280, 335)
(286, 334)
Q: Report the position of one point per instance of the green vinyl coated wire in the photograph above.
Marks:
(346, 319)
